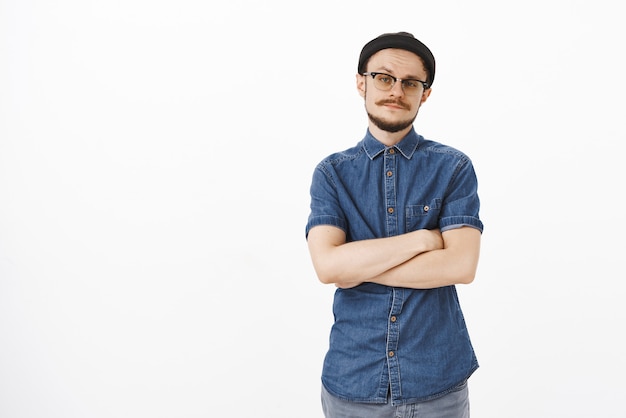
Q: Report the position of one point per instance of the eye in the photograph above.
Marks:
(384, 78)
(412, 84)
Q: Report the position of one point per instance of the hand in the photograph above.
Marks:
(347, 285)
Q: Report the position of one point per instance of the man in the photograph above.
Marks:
(394, 225)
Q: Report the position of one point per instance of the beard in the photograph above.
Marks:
(388, 126)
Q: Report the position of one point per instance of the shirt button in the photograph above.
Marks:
(389, 173)
(390, 210)
(393, 319)
(392, 151)
(426, 208)
(391, 354)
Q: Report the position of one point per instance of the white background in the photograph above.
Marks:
(155, 159)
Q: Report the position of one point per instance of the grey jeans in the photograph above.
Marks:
(452, 405)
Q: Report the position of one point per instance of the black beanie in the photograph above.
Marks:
(399, 40)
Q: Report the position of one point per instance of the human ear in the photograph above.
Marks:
(425, 95)
(360, 84)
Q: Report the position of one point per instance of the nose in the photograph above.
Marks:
(397, 89)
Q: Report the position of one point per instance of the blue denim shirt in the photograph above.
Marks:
(414, 342)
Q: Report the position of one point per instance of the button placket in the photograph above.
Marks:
(390, 191)
(393, 333)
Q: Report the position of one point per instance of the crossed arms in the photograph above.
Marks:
(421, 259)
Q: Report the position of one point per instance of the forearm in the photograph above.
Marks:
(456, 263)
(427, 271)
(346, 264)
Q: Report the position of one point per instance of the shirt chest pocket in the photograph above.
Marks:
(425, 216)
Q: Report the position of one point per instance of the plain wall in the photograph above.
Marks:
(155, 160)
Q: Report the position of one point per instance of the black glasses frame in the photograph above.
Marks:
(396, 79)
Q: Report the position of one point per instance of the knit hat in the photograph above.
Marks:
(400, 40)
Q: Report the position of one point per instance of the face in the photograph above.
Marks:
(392, 110)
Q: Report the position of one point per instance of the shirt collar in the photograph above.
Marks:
(406, 146)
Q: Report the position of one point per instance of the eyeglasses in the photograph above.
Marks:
(385, 82)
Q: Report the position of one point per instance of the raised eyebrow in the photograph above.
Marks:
(384, 70)
(388, 71)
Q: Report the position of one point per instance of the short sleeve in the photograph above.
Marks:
(325, 207)
(461, 205)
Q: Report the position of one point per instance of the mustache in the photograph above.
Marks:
(394, 102)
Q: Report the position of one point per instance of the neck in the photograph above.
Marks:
(388, 138)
